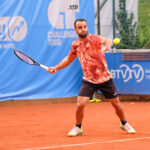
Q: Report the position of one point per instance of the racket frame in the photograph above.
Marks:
(34, 62)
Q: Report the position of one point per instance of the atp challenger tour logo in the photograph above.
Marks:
(12, 29)
(136, 72)
(61, 16)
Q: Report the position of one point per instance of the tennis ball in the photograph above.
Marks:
(116, 41)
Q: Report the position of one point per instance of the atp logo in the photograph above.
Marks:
(12, 29)
(61, 13)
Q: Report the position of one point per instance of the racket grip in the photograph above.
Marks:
(44, 67)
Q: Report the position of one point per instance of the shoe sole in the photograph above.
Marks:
(126, 131)
(79, 134)
(97, 101)
(91, 101)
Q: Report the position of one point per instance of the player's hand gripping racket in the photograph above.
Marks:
(28, 59)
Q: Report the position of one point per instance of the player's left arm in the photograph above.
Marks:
(107, 42)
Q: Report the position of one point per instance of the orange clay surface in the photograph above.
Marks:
(45, 127)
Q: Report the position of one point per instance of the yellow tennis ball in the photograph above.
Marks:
(116, 41)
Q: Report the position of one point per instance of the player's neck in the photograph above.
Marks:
(82, 39)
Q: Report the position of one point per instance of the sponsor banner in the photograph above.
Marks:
(130, 76)
(44, 30)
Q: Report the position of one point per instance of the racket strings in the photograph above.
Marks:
(25, 58)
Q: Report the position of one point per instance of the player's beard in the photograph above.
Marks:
(83, 36)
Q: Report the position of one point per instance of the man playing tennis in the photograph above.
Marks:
(88, 48)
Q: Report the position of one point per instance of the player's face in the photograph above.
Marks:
(81, 29)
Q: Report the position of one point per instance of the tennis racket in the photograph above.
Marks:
(25, 58)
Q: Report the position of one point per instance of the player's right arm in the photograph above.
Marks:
(107, 42)
(64, 63)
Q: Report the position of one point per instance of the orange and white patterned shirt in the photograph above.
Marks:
(92, 59)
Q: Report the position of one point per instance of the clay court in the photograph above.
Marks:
(45, 126)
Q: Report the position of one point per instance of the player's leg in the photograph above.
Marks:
(87, 90)
(118, 107)
(81, 102)
(121, 114)
(109, 90)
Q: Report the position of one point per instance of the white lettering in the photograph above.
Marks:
(62, 34)
(54, 42)
(8, 46)
(127, 73)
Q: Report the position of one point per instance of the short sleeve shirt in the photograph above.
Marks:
(92, 59)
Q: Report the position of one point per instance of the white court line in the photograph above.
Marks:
(90, 143)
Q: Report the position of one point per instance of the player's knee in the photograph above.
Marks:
(116, 103)
(81, 103)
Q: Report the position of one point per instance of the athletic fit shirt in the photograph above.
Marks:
(92, 59)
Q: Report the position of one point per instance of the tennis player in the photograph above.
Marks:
(88, 48)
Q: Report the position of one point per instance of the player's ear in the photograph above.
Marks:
(75, 30)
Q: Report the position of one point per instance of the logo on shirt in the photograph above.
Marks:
(115, 94)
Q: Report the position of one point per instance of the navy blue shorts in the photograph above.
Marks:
(107, 88)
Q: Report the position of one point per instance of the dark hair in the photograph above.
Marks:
(80, 19)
